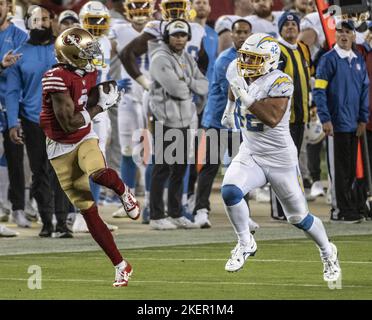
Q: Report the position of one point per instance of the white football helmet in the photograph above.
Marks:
(95, 17)
(314, 133)
(138, 11)
(258, 55)
(175, 9)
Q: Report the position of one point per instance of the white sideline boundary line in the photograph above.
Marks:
(191, 282)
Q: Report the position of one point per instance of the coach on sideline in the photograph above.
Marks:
(176, 78)
(341, 96)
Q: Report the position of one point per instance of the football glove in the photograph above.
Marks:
(246, 98)
(108, 100)
(228, 119)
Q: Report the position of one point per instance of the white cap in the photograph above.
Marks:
(68, 14)
(178, 26)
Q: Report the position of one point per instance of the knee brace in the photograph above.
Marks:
(302, 223)
(231, 194)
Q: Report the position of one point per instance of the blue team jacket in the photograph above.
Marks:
(341, 91)
(10, 39)
(210, 43)
(24, 89)
(217, 97)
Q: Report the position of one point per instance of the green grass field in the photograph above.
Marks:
(288, 269)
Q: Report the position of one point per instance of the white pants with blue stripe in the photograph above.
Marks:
(246, 174)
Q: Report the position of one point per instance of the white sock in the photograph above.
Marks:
(121, 265)
(239, 218)
(318, 234)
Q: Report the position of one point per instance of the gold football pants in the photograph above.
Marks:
(73, 170)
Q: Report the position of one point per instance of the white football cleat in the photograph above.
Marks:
(122, 275)
(183, 223)
(130, 204)
(201, 219)
(162, 224)
(239, 255)
(331, 266)
(7, 233)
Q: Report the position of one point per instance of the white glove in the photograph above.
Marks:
(228, 120)
(246, 99)
(108, 100)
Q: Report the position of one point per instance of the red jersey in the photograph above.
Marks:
(61, 79)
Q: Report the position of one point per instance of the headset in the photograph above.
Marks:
(29, 14)
(166, 30)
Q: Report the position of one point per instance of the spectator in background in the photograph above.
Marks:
(366, 50)
(301, 7)
(265, 19)
(176, 78)
(210, 44)
(296, 62)
(242, 8)
(67, 19)
(341, 96)
(211, 122)
(11, 38)
(23, 100)
(8, 60)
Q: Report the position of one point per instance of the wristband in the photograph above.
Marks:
(86, 116)
(144, 82)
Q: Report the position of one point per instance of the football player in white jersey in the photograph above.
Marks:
(267, 153)
(171, 9)
(132, 112)
(95, 18)
(265, 20)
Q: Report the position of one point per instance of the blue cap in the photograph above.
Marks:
(349, 24)
(288, 16)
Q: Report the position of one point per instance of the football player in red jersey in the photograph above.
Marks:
(72, 145)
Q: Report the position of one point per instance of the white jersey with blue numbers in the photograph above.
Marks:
(123, 34)
(272, 147)
(156, 29)
(265, 26)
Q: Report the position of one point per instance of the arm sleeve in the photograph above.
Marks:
(323, 75)
(162, 71)
(364, 98)
(13, 95)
